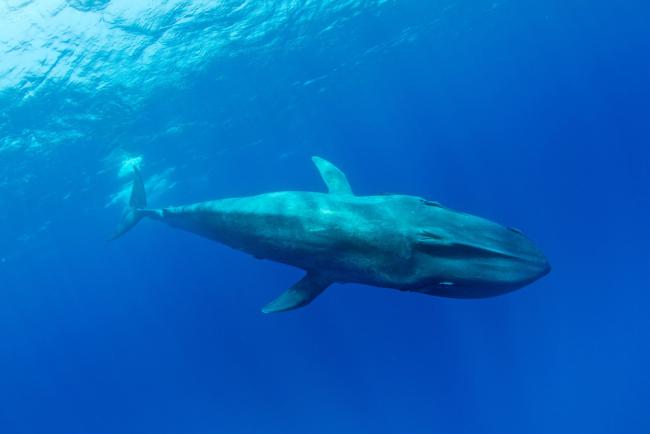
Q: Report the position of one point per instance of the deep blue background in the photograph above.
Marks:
(534, 114)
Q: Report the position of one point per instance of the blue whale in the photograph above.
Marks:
(393, 241)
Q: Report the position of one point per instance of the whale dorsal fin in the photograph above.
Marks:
(300, 294)
(335, 180)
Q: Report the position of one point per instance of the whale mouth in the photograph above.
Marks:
(546, 269)
(537, 267)
(484, 288)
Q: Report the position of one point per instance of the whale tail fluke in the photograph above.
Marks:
(137, 202)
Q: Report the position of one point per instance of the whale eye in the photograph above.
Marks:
(515, 230)
(431, 203)
(431, 235)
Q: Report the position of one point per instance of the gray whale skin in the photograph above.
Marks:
(393, 241)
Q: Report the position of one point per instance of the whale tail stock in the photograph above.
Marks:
(135, 211)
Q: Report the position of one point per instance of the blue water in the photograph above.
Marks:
(533, 114)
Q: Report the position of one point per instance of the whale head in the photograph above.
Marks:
(466, 256)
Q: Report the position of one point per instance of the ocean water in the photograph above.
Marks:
(532, 114)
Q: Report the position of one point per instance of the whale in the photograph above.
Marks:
(393, 241)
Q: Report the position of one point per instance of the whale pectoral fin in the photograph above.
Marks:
(334, 178)
(299, 295)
